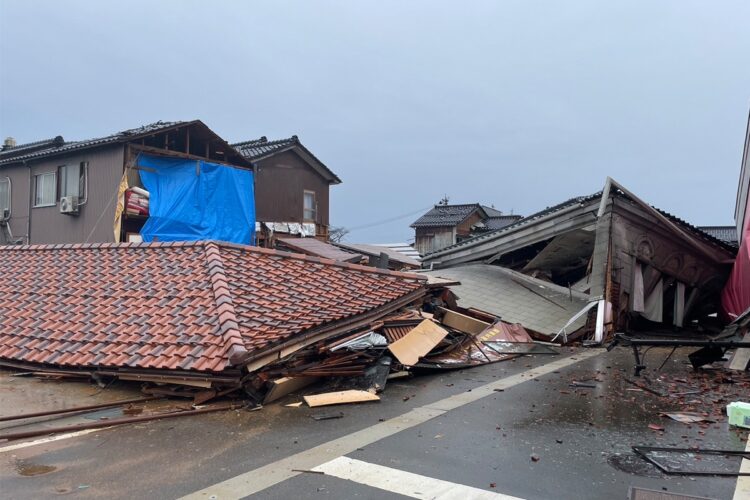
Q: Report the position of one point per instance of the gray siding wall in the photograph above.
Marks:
(96, 218)
(19, 200)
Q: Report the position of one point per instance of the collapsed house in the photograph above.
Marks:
(637, 265)
(217, 317)
(202, 311)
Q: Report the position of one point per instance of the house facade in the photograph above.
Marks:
(291, 186)
(57, 191)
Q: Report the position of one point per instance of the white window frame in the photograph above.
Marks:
(54, 189)
(10, 194)
(81, 182)
(314, 209)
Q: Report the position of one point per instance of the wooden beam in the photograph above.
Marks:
(177, 154)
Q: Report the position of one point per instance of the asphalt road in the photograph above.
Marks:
(450, 433)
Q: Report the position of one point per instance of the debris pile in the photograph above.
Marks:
(203, 320)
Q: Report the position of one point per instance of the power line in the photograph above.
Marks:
(385, 221)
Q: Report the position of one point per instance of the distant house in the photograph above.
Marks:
(727, 234)
(58, 191)
(291, 188)
(445, 225)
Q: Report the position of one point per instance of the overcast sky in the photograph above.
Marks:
(517, 104)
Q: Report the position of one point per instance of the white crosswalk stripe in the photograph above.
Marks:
(404, 483)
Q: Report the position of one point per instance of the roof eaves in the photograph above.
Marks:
(526, 220)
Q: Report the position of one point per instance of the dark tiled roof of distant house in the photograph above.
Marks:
(494, 223)
(57, 146)
(448, 215)
(492, 211)
(199, 306)
(259, 149)
(727, 234)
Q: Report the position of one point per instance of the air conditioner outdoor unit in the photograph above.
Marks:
(69, 205)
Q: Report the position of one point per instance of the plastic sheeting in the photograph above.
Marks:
(735, 298)
(197, 200)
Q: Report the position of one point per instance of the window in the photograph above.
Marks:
(4, 198)
(310, 207)
(73, 180)
(45, 189)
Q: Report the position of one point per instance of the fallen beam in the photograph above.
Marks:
(79, 408)
(110, 423)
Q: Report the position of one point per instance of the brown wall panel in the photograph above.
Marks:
(279, 186)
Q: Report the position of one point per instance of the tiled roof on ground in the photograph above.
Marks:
(515, 297)
(447, 215)
(258, 149)
(727, 234)
(312, 246)
(59, 146)
(202, 306)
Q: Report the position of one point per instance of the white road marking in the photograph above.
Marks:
(59, 437)
(404, 483)
(742, 491)
(269, 475)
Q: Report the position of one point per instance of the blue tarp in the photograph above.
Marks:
(197, 200)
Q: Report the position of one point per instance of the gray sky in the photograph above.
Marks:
(521, 104)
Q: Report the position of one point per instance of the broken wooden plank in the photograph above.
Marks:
(463, 323)
(341, 397)
(741, 357)
(418, 342)
(205, 384)
(286, 385)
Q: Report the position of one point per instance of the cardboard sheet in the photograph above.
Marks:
(418, 342)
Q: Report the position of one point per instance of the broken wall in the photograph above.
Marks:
(640, 237)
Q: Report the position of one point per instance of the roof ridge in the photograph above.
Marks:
(234, 344)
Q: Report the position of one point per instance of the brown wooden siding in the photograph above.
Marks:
(464, 229)
(432, 239)
(96, 217)
(19, 200)
(279, 186)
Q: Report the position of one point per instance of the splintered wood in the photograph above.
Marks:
(418, 342)
(341, 397)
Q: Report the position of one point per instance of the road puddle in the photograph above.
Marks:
(26, 468)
